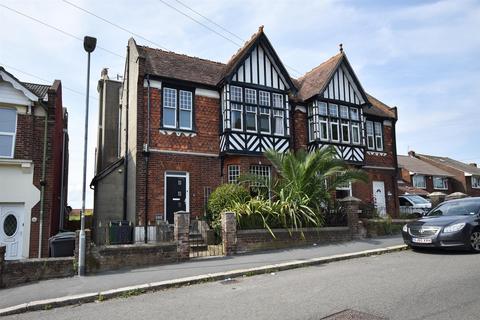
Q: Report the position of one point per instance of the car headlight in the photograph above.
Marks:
(454, 227)
(405, 228)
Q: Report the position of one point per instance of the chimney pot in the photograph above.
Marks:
(411, 153)
(104, 74)
(473, 164)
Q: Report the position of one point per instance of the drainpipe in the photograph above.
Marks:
(42, 181)
(395, 158)
(125, 158)
(62, 190)
(146, 153)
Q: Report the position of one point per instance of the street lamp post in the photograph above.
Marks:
(89, 44)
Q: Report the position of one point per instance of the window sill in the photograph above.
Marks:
(177, 132)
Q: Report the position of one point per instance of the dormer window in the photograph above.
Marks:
(8, 126)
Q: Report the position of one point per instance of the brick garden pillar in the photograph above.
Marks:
(2, 259)
(436, 198)
(181, 231)
(351, 205)
(229, 233)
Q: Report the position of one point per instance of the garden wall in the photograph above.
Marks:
(261, 239)
(21, 271)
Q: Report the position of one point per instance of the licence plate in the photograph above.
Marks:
(421, 240)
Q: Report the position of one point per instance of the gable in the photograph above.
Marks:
(10, 95)
(260, 68)
(343, 87)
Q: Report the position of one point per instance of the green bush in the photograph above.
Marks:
(223, 198)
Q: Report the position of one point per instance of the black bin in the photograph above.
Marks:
(62, 244)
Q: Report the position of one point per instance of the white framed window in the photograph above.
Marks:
(334, 130)
(324, 129)
(419, 181)
(263, 98)
(233, 173)
(250, 96)
(251, 118)
(379, 136)
(278, 101)
(333, 110)
(476, 182)
(169, 107)
(344, 112)
(185, 113)
(278, 124)
(370, 136)
(261, 171)
(322, 108)
(8, 128)
(356, 133)
(345, 131)
(343, 191)
(236, 94)
(265, 120)
(354, 115)
(236, 116)
(440, 183)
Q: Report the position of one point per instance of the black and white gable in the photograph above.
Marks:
(344, 86)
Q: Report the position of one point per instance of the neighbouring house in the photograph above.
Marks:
(189, 124)
(33, 165)
(465, 177)
(419, 174)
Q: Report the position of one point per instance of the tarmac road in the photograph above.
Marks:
(403, 285)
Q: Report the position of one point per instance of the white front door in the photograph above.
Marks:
(11, 230)
(379, 197)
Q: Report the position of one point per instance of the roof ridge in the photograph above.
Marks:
(321, 64)
(36, 84)
(180, 54)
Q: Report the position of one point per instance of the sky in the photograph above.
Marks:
(421, 56)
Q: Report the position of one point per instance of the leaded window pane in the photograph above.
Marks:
(333, 108)
(236, 94)
(322, 108)
(344, 112)
(250, 96)
(278, 101)
(264, 98)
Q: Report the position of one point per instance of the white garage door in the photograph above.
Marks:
(11, 229)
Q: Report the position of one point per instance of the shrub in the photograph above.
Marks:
(223, 198)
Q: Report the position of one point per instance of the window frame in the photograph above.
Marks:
(337, 123)
(370, 135)
(345, 124)
(358, 135)
(233, 173)
(444, 181)
(13, 134)
(177, 109)
(378, 130)
(477, 182)
(274, 117)
(415, 182)
(255, 113)
(269, 114)
(232, 110)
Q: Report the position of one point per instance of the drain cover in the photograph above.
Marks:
(352, 315)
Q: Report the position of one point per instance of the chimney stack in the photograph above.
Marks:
(411, 153)
(104, 74)
(473, 164)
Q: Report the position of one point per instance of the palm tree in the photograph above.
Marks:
(306, 184)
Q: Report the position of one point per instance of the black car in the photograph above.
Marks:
(452, 224)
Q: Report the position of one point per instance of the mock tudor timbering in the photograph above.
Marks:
(189, 124)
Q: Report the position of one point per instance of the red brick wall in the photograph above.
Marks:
(299, 130)
(364, 191)
(388, 159)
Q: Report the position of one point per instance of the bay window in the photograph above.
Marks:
(278, 124)
(251, 118)
(8, 126)
(440, 183)
(236, 116)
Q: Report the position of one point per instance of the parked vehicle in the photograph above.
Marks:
(452, 224)
(413, 204)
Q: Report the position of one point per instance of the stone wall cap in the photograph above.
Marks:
(436, 194)
(349, 199)
(181, 212)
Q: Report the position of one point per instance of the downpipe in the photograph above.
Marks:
(43, 182)
(146, 152)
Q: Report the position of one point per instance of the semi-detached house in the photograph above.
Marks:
(188, 125)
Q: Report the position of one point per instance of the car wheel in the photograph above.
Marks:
(475, 241)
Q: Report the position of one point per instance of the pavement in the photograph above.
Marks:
(59, 288)
(403, 285)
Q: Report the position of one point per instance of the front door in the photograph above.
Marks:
(11, 230)
(379, 197)
(175, 194)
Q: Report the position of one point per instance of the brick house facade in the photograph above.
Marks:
(189, 125)
(34, 188)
